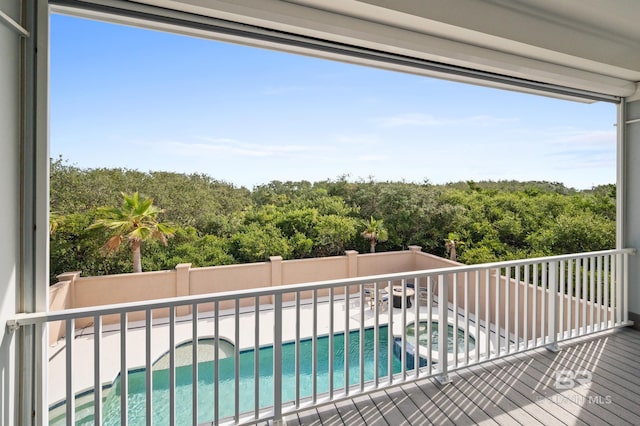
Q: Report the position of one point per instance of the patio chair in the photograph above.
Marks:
(420, 292)
(369, 296)
(383, 299)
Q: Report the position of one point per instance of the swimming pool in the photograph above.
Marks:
(160, 395)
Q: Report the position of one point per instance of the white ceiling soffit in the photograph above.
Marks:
(364, 33)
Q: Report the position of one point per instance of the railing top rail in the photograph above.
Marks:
(24, 319)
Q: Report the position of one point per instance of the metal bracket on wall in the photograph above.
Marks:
(12, 325)
(6, 18)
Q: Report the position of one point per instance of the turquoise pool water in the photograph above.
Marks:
(423, 336)
(160, 395)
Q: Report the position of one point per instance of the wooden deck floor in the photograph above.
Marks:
(516, 390)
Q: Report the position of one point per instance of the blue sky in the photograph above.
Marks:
(134, 98)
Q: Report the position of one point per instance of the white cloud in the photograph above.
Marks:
(584, 149)
(357, 139)
(409, 119)
(370, 158)
(484, 120)
(427, 120)
(236, 148)
(585, 137)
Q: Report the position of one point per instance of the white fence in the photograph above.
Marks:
(293, 347)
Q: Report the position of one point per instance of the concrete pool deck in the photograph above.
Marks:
(83, 358)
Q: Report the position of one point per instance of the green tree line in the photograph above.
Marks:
(218, 223)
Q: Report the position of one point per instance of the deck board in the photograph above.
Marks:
(519, 389)
(487, 383)
(369, 411)
(454, 413)
(607, 382)
(388, 409)
(559, 402)
(349, 413)
(479, 389)
(521, 394)
(546, 398)
(426, 410)
(401, 400)
(329, 415)
(307, 418)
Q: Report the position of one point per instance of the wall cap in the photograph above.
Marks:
(69, 276)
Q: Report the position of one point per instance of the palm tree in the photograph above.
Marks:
(136, 221)
(451, 243)
(374, 232)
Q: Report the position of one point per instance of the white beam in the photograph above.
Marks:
(629, 196)
(286, 17)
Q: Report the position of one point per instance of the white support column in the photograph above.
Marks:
(628, 204)
(33, 125)
(10, 256)
(621, 166)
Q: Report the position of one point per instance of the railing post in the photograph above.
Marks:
(277, 360)
(552, 331)
(443, 329)
(625, 290)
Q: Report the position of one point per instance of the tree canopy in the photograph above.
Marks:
(218, 223)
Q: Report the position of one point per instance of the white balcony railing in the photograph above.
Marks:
(279, 350)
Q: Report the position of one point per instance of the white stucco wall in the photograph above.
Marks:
(632, 203)
(10, 205)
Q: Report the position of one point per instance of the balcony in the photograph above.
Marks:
(540, 47)
(519, 389)
(274, 353)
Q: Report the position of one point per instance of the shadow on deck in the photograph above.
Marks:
(599, 384)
